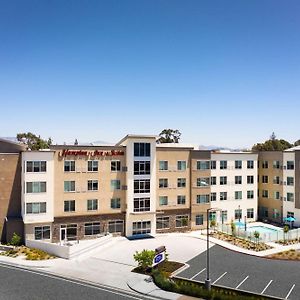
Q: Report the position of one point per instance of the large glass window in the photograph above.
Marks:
(141, 204)
(92, 228)
(42, 233)
(36, 166)
(162, 222)
(92, 204)
(36, 208)
(163, 200)
(203, 165)
(69, 205)
(142, 227)
(115, 184)
(115, 203)
(203, 181)
(163, 165)
(92, 185)
(69, 165)
(115, 165)
(69, 186)
(163, 183)
(142, 186)
(142, 149)
(181, 165)
(116, 226)
(181, 182)
(93, 166)
(36, 187)
(182, 221)
(141, 167)
(203, 199)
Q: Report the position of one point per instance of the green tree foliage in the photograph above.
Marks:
(15, 240)
(233, 228)
(272, 144)
(297, 143)
(256, 235)
(144, 258)
(33, 141)
(286, 229)
(169, 136)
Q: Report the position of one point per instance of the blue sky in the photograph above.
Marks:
(222, 72)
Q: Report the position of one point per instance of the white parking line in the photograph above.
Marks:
(266, 287)
(219, 277)
(198, 274)
(287, 296)
(242, 282)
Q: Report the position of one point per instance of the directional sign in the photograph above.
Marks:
(158, 258)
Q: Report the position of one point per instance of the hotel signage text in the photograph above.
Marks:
(67, 152)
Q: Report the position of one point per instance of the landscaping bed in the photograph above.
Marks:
(28, 253)
(287, 255)
(254, 246)
(288, 242)
(167, 267)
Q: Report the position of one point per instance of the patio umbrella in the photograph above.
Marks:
(290, 219)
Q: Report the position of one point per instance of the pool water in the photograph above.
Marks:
(262, 229)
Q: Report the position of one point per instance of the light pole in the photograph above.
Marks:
(239, 214)
(207, 280)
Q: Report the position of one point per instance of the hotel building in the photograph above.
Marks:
(134, 187)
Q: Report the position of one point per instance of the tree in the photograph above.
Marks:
(76, 142)
(213, 224)
(273, 144)
(297, 143)
(286, 229)
(256, 235)
(169, 136)
(144, 258)
(233, 228)
(15, 240)
(33, 141)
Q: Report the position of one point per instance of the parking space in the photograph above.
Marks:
(249, 273)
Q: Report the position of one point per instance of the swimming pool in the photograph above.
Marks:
(263, 229)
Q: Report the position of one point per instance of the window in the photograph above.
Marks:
(42, 233)
(213, 196)
(213, 180)
(238, 179)
(92, 204)
(36, 208)
(115, 165)
(180, 199)
(115, 184)
(223, 180)
(203, 165)
(69, 165)
(92, 185)
(141, 204)
(237, 214)
(276, 164)
(250, 194)
(93, 166)
(290, 165)
(276, 180)
(290, 197)
(142, 149)
(36, 166)
(142, 227)
(223, 164)
(92, 228)
(71, 231)
(238, 195)
(163, 183)
(212, 215)
(162, 222)
(250, 179)
(69, 205)
(141, 167)
(250, 213)
(290, 180)
(223, 196)
(250, 164)
(182, 221)
(265, 179)
(116, 226)
(203, 199)
(69, 186)
(199, 219)
(265, 164)
(163, 200)
(276, 195)
(115, 203)
(142, 186)
(203, 181)
(265, 194)
(213, 164)
(181, 182)
(181, 165)
(224, 216)
(276, 214)
(238, 164)
(36, 187)
(290, 214)
(163, 165)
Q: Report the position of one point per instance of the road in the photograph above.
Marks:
(19, 283)
(249, 273)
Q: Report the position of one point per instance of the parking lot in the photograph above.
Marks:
(249, 273)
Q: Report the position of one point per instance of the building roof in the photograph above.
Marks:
(135, 136)
(296, 148)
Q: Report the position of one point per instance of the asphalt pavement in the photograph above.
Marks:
(245, 272)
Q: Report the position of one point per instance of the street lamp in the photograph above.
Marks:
(239, 214)
(207, 280)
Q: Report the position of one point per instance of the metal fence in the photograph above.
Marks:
(270, 236)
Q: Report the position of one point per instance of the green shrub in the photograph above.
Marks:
(144, 258)
(15, 240)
